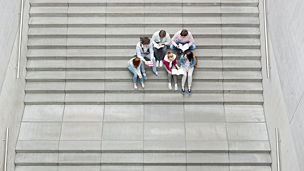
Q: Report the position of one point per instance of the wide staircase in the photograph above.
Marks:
(82, 113)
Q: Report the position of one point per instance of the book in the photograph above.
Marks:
(149, 63)
(184, 47)
(157, 46)
(177, 71)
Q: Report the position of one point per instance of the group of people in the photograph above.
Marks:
(154, 53)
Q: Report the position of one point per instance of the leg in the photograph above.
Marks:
(154, 67)
(169, 76)
(190, 72)
(163, 53)
(184, 79)
(175, 79)
(157, 54)
(134, 74)
(192, 47)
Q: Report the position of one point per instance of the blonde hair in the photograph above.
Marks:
(170, 54)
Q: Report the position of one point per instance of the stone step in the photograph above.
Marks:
(131, 42)
(150, 87)
(144, 21)
(131, 32)
(148, 11)
(89, 3)
(126, 75)
(121, 65)
(121, 54)
(142, 98)
(143, 159)
(146, 168)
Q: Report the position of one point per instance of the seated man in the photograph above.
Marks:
(182, 41)
(160, 39)
(144, 50)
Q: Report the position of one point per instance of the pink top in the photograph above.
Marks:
(182, 39)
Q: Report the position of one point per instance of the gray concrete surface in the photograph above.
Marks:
(284, 91)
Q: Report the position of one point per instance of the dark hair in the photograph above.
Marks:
(184, 32)
(136, 61)
(145, 40)
(162, 33)
(189, 55)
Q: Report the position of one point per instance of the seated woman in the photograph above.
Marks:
(169, 63)
(134, 65)
(187, 62)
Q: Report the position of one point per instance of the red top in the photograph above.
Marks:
(167, 64)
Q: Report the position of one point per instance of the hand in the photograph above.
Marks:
(140, 76)
(162, 43)
(177, 46)
(177, 66)
(146, 62)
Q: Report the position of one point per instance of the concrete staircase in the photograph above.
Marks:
(82, 112)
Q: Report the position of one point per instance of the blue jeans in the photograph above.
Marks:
(192, 47)
(135, 75)
(143, 70)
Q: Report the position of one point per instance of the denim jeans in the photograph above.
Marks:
(135, 75)
(192, 47)
(160, 53)
(143, 70)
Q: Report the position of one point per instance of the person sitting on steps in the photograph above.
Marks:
(182, 38)
(169, 63)
(144, 50)
(187, 62)
(160, 39)
(134, 66)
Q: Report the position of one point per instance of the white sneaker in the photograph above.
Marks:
(176, 87)
(157, 63)
(161, 64)
(170, 86)
(142, 85)
(135, 86)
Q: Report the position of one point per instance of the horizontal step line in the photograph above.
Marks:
(142, 151)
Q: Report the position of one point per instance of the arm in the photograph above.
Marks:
(191, 40)
(166, 63)
(154, 37)
(138, 53)
(193, 62)
(168, 39)
(182, 61)
(174, 38)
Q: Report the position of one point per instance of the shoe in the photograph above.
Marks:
(170, 86)
(161, 63)
(143, 85)
(183, 91)
(145, 76)
(135, 87)
(157, 74)
(176, 87)
(189, 91)
(157, 64)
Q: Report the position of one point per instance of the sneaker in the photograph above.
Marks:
(135, 87)
(183, 91)
(143, 85)
(161, 63)
(170, 86)
(157, 74)
(157, 63)
(145, 76)
(189, 91)
(176, 87)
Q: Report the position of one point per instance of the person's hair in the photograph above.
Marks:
(162, 33)
(184, 32)
(136, 61)
(189, 55)
(145, 40)
(169, 53)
